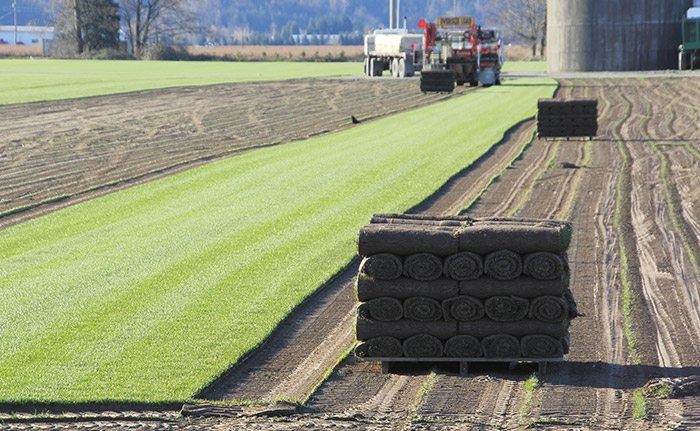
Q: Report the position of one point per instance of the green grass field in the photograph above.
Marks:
(525, 66)
(34, 80)
(148, 294)
(23, 80)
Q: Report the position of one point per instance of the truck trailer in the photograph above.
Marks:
(394, 50)
(689, 50)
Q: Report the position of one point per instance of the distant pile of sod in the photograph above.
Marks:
(434, 287)
(567, 118)
(149, 294)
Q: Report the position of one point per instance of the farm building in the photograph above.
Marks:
(26, 35)
(598, 35)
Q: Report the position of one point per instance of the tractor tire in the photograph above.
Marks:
(366, 67)
(437, 81)
(395, 68)
(376, 67)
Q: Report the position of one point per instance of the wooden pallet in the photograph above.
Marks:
(464, 362)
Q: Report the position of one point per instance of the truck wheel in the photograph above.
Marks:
(395, 68)
(375, 67)
(366, 67)
(402, 68)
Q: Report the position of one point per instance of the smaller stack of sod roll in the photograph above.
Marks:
(567, 118)
(432, 287)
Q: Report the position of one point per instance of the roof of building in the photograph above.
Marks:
(26, 29)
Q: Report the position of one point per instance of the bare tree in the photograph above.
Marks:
(524, 18)
(149, 21)
(78, 25)
(241, 34)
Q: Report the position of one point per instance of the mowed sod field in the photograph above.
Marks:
(24, 80)
(148, 294)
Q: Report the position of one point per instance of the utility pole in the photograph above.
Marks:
(14, 12)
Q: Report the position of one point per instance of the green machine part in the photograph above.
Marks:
(691, 34)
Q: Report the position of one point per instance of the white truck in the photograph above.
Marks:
(395, 50)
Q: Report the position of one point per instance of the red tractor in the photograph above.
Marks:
(457, 51)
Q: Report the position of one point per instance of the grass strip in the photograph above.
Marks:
(622, 224)
(148, 294)
(622, 212)
(531, 385)
(640, 407)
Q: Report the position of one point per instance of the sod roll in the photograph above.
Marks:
(382, 266)
(485, 327)
(380, 347)
(422, 346)
(412, 219)
(501, 346)
(401, 288)
(402, 329)
(551, 309)
(544, 266)
(463, 309)
(506, 308)
(423, 267)
(384, 309)
(422, 309)
(503, 265)
(403, 239)
(541, 346)
(464, 265)
(524, 287)
(463, 346)
(489, 236)
(426, 217)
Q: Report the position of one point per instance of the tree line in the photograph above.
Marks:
(95, 25)
(84, 26)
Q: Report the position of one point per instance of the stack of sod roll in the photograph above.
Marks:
(432, 287)
(567, 118)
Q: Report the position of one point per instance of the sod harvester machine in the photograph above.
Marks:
(457, 51)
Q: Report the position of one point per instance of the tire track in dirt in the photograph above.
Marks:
(683, 169)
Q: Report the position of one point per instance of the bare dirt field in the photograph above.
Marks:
(280, 51)
(87, 147)
(634, 197)
(21, 51)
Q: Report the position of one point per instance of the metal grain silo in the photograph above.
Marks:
(598, 35)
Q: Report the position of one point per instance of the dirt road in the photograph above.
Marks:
(633, 195)
(53, 154)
